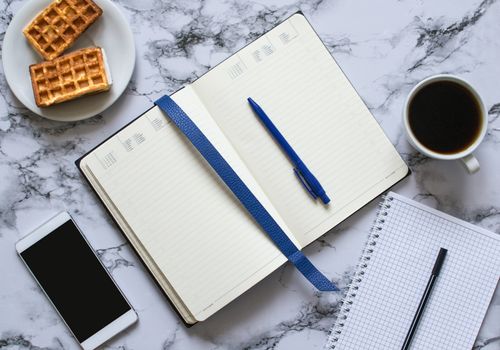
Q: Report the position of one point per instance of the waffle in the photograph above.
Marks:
(70, 76)
(58, 26)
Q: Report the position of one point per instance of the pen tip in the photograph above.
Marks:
(253, 104)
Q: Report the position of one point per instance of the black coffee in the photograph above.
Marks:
(445, 117)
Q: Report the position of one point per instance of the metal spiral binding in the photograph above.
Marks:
(357, 278)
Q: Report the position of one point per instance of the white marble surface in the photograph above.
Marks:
(384, 47)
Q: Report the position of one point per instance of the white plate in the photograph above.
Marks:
(110, 31)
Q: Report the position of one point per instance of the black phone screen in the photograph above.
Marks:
(75, 281)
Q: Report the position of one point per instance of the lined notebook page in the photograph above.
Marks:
(136, 243)
(293, 77)
(203, 241)
(396, 275)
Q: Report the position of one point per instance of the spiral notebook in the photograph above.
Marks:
(393, 272)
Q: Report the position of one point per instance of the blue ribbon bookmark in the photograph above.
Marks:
(245, 196)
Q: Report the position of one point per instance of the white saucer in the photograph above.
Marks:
(110, 31)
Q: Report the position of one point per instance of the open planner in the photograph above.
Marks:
(392, 274)
(196, 239)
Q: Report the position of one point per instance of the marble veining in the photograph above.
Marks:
(383, 47)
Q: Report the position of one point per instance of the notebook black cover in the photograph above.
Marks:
(77, 162)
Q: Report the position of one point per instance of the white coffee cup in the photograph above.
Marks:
(469, 161)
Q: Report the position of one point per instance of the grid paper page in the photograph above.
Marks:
(396, 274)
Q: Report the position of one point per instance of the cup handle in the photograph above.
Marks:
(471, 164)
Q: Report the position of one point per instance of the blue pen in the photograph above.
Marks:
(305, 176)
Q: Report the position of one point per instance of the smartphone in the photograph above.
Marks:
(75, 281)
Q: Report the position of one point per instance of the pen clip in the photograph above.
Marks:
(304, 183)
